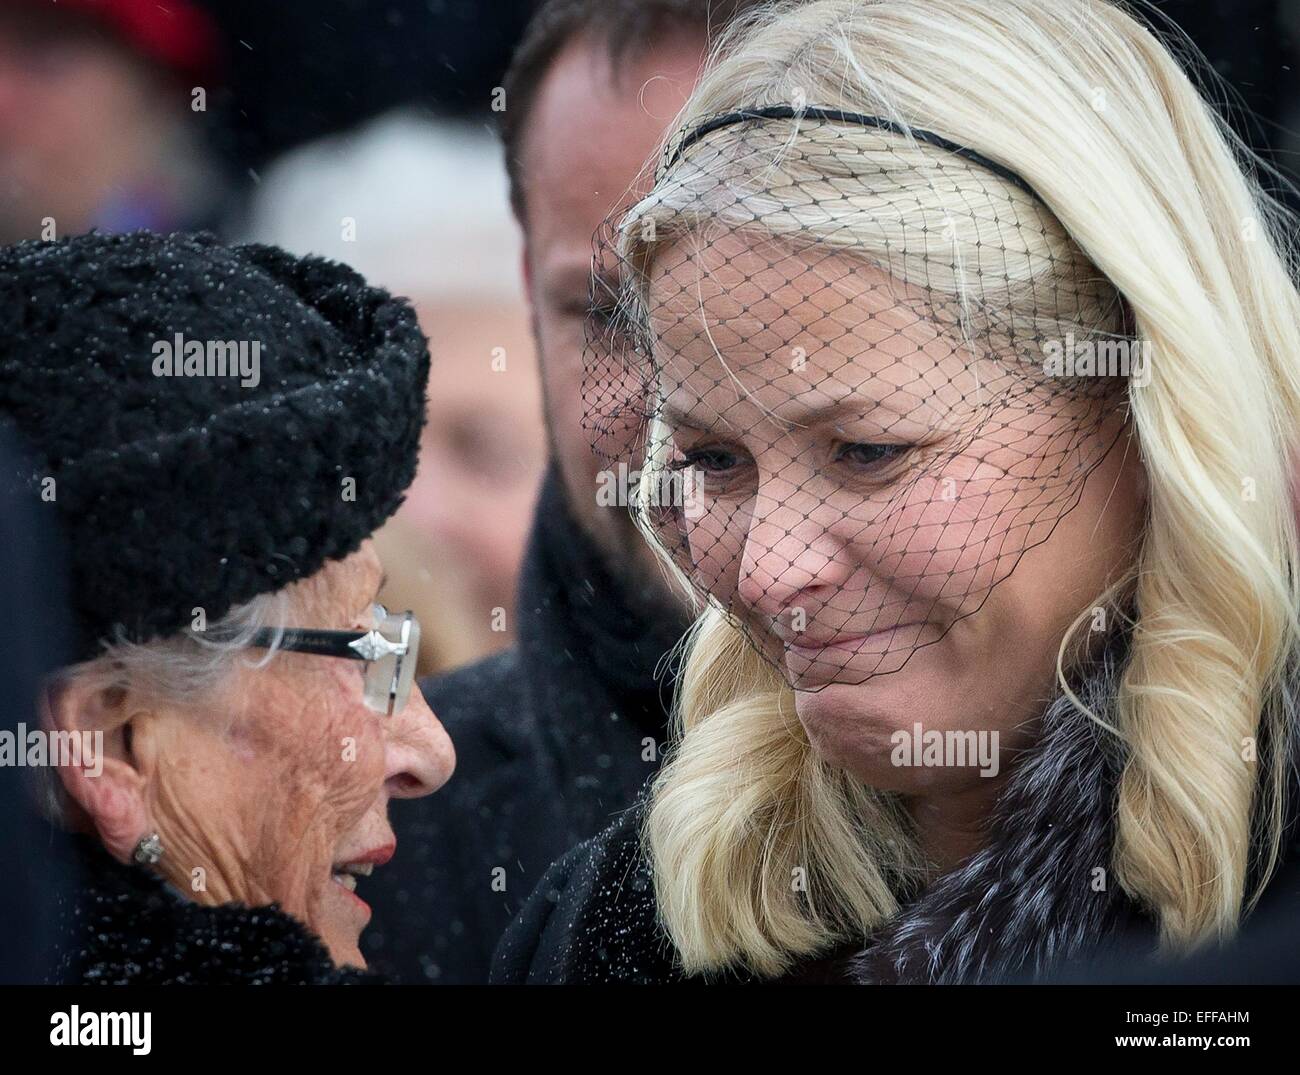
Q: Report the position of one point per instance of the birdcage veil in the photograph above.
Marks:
(861, 372)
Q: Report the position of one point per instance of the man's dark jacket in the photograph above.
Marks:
(553, 737)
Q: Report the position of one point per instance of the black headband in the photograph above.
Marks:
(836, 115)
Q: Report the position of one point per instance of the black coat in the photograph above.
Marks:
(1014, 910)
(125, 926)
(35, 639)
(553, 737)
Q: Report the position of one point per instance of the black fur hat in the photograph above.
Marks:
(210, 422)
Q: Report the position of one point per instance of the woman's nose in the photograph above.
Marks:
(419, 757)
(788, 558)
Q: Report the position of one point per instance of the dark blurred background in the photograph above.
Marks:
(280, 74)
(300, 69)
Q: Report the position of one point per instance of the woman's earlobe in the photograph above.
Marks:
(103, 777)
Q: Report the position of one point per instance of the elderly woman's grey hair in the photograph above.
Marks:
(189, 665)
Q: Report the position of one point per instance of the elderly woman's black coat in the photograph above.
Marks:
(125, 926)
(1031, 900)
(35, 638)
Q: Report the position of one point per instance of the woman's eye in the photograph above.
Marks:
(869, 455)
(596, 315)
(602, 313)
(709, 460)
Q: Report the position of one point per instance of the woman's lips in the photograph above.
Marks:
(848, 643)
(344, 875)
(376, 856)
(342, 884)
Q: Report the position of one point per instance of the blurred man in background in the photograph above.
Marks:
(99, 122)
(560, 732)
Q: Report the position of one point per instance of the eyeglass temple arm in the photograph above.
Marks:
(302, 640)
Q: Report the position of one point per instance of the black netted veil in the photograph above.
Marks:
(864, 373)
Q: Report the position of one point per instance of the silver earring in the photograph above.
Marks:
(149, 850)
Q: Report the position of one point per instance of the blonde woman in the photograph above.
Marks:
(967, 360)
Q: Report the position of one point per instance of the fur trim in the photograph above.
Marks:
(1041, 891)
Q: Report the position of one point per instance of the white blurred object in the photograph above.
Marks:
(427, 201)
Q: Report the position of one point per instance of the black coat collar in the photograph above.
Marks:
(125, 926)
(572, 607)
(589, 652)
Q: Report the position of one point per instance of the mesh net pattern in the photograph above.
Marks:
(861, 375)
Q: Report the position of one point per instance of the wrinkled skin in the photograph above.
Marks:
(261, 788)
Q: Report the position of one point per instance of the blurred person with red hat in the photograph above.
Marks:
(101, 116)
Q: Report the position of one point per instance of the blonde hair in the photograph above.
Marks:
(1149, 190)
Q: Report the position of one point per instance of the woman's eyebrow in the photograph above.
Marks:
(679, 419)
(832, 414)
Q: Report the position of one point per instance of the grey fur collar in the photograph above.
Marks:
(1029, 898)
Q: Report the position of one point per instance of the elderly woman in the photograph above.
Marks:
(220, 430)
(967, 360)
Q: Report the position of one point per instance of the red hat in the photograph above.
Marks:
(177, 34)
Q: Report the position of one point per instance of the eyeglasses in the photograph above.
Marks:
(390, 650)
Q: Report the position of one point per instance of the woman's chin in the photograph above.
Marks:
(344, 948)
(852, 726)
(347, 955)
(885, 698)
(343, 917)
(846, 733)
